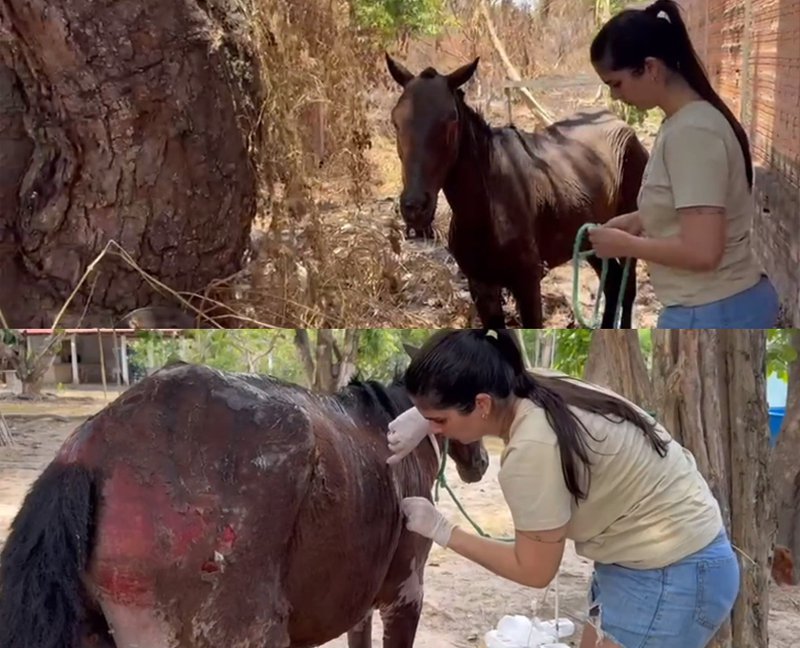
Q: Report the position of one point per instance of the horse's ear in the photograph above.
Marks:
(459, 77)
(398, 72)
(410, 349)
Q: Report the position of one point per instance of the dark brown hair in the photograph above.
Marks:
(453, 367)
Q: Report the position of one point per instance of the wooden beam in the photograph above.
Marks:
(552, 83)
(543, 115)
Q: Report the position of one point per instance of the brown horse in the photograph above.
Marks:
(518, 199)
(204, 508)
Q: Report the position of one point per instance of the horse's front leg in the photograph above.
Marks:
(488, 300)
(360, 636)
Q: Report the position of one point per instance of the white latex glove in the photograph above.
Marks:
(422, 517)
(405, 433)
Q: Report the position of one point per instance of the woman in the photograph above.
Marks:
(695, 204)
(582, 463)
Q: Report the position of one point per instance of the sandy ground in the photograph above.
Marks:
(462, 601)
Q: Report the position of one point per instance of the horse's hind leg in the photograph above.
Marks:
(361, 635)
(400, 621)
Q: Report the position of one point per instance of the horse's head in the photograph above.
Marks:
(471, 459)
(426, 121)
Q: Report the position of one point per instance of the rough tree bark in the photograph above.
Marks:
(784, 469)
(615, 361)
(128, 120)
(710, 393)
(328, 365)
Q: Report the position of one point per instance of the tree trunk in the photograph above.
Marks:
(325, 380)
(15, 152)
(137, 116)
(30, 364)
(710, 389)
(303, 345)
(328, 366)
(32, 387)
(784, 469)
(615, 361)
(347, 358)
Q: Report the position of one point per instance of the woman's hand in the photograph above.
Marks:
(405, 433)
(610, 242)
(630, 223)
(423, 517)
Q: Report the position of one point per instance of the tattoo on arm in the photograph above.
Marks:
(538, 537)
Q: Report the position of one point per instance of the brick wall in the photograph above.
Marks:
(751, 49)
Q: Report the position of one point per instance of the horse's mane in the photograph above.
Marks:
(473, 117)
(369, 395)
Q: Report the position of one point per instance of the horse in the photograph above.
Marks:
(518, 199)
(206, 508)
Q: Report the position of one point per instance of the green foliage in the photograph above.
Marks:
(401, 18)
(381, 352)
(646, 345)
(257, 351)
(10, 337)
(572, 351)
(780, 353)
(631, 114)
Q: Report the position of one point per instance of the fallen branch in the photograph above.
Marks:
(543, 115)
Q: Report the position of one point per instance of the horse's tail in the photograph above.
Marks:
(42, 597)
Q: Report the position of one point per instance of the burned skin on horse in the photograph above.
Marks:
(204, 508)
(518, 199)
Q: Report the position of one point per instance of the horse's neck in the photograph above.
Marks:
(428, 459)
(467, 187)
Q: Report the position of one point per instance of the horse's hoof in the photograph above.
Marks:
(424, 234)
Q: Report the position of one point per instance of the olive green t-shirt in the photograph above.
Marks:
(643, 511)
(697, 162)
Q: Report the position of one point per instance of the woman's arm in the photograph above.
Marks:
(699, 246)
(531, 560)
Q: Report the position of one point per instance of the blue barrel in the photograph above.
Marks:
(776, 415)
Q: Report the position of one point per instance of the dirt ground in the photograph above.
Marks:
(462, 601)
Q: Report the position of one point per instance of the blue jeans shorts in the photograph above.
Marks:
(680, 606)
(754, 308)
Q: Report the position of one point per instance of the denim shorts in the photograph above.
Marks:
(680, 606)
(754, 308)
